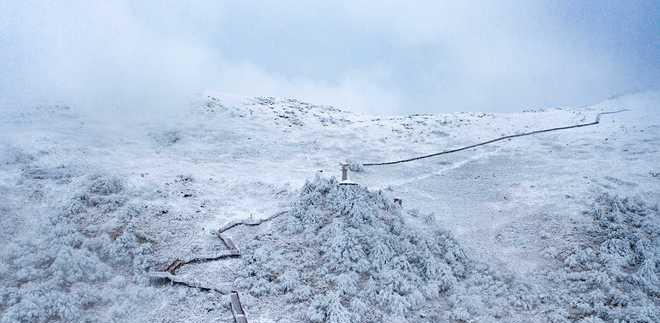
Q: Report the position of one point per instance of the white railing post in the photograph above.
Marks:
(344, 175)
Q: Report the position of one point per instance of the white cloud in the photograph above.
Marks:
(385, 57)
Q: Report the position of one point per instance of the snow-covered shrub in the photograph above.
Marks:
(613, 276)
(345, 254)
(488, 295)
(71, 268)
(428, 218)
(102, 196)
(105, 185)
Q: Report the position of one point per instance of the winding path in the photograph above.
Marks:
(169, 272)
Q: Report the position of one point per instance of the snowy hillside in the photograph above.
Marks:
(558, 227)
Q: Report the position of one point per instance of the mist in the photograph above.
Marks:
(151, 57)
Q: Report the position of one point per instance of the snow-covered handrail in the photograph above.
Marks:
(597, 121)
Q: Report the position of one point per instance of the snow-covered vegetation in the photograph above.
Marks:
(560, 227)
(613, 273)
(80, 261)
(345, 254)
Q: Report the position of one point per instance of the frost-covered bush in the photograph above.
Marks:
(345, 254)
(73, 267)
(614, 275)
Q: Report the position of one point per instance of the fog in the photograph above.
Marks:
(377, 57)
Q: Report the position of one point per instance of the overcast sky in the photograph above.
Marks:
(368, 56)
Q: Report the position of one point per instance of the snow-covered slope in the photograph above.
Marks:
(89, 205)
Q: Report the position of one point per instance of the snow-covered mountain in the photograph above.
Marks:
(557, 227)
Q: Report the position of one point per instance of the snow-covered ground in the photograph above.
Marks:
(557, 227)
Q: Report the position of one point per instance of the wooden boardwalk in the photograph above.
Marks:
(237, 308)
(169, 272)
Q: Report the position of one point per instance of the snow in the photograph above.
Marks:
(90, 205)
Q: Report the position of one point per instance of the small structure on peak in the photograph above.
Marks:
(344, 175)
